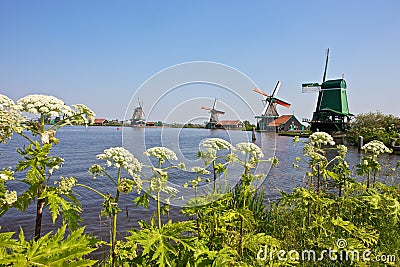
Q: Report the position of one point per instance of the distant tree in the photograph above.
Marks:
(375, 126)
(248, 125)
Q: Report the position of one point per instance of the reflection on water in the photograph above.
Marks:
(79, 147)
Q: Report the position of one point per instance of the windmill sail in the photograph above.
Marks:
(213, 115)
(310, 87)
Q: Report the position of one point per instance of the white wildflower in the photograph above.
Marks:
(251, 149)
(161, 153)
(321, 138)
(10, 118)
(125, 185)
(216, 144)
(120, 157)
(181, 166)
(47, 137)
(211, 146)
(199, 170)
(342, 150)
(376, 147)
(10, 197)
(6, 103)
(65, 184)
(43, 104)
(6, 174)
(86, 115)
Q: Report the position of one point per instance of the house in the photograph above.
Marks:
(285, 123)
(230, 124)
(100, 122)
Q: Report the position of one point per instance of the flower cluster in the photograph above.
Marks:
(120, 157)
(81, 109)
(65, 184)
(314, 153)
(216, 144)
(250, 149)
(198, 179)
(211, 146)
(321, 138)
(199, 170)
(125, 185)
(96, 170)
(10, 197)
(161, 153)
(342, 151)
(10, 119)
(6, 175)
(376, 147)
(44, 104)
(296, 139)
(6, 103)
(47, 137)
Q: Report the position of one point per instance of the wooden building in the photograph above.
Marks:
(285, 123)
(100, 122)
(230, 124)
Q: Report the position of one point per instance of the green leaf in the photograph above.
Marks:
(56, 250)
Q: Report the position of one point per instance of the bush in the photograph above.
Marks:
(375, 126)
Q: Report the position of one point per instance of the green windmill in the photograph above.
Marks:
(332, 111)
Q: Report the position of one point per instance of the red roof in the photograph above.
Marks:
(99, 120)
(226, 123)
(281, 120)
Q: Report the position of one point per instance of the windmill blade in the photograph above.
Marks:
(326, 65)
(277, 86)
(265, 108)
(260, 92)
(282, 103)
(205, 108)
(218, 112)
(215, 102)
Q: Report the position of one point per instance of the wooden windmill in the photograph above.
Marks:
(138, 116)
(213, 115)
(270, 112)
(332, 111)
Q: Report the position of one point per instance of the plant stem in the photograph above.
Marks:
(41, 123)
(158, 210)
(114, 231)
(92, 189)
(318, 181)
(39, 212)
(215, 177)
(158, 200)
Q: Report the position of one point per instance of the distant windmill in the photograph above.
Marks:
(270, 112)
(332, 111)
(138, 115)
(213, 115)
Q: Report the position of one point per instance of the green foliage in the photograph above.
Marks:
(159, 246)
(49, 250)
(248, 126)
(375, 126)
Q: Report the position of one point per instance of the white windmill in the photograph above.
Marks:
(213, 115)
(270, 112)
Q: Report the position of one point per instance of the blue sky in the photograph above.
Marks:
(100, 52)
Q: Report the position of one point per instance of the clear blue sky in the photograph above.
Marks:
(100, 52)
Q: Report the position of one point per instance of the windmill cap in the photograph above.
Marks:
(334, 84)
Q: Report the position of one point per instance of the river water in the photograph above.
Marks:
(79, 147)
